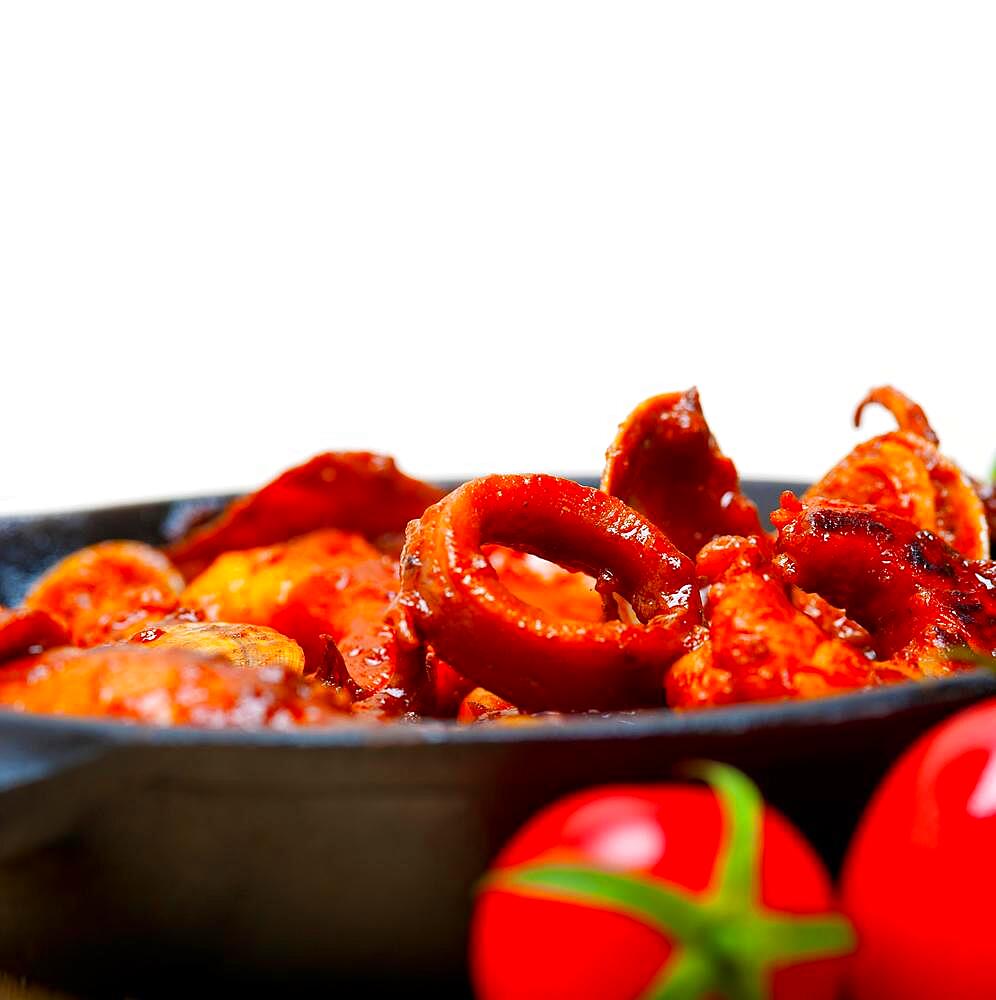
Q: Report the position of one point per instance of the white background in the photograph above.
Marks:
(234, 234)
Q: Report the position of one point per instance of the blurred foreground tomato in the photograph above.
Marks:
(920, 877)
(670, 891)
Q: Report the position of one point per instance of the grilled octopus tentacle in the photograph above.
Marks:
(904, 473)
(916, 595)
(909, 414)
(665, 464)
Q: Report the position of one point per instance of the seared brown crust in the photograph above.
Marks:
(916, 595)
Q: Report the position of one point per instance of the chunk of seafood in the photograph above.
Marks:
(164, 687)
(536, 660)
(483, 706)
(915, 594)
(352, 491)
(314, 585)
(242, 645)
(666, 465)
(987, 494)
(325, 586)
(534, 581)
(23, 631)
(760, 646)
(909, 415)
(106, 591)
(904, 473)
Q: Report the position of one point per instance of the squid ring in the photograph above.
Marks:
(535, 660)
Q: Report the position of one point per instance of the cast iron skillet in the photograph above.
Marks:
(150, 861)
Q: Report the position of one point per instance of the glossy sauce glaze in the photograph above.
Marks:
(345, 589)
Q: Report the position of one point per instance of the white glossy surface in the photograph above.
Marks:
(234, 234)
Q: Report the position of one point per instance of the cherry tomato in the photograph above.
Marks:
(920, 876)
(668, 891)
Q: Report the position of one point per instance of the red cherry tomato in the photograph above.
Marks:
(669, 891)
(920, 876)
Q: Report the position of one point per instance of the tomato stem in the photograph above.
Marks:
(736, 874)
(686, 977)
(663, 907)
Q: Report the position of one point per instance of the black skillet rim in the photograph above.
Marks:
(746, 719)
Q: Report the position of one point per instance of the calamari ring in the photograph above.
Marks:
(531, 658)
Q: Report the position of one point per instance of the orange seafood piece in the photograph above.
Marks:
(535, 581)
(483, 706)
(353, 607)
(987, 494)
(904, 473)
(917, 596)
(909, 415)
(694, 680)
(325, 585)
(242, 645)
(833, 621)
(536, 660)
(251, 585)
(760, 646)
(352, 491)
(23, 631)
(166, 687)
(665, 464)
(449, 686)
(107, 591)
